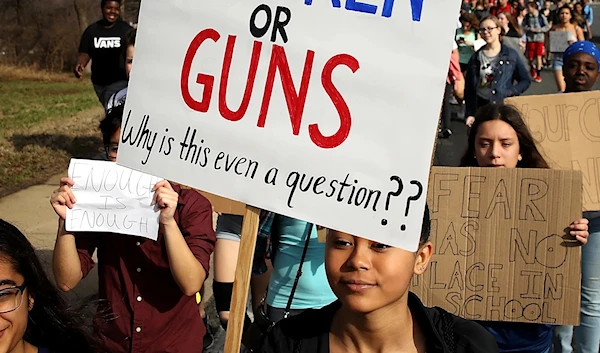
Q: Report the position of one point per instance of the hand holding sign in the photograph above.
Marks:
(579, 229)
(63, 197)
(166, 199)
(101, 196)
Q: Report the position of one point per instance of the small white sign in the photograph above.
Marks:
(112, 198)
(559, 41)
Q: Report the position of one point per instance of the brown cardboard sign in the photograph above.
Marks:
(502, 249)
(567, 128)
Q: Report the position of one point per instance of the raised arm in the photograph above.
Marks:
(188, 244)
(66, 261)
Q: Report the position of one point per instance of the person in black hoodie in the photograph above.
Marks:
(375, 312)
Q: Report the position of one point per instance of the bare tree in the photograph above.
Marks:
(81, 11)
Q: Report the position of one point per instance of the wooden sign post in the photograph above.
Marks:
(241, 284)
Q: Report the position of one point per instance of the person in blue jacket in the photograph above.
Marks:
(495, 71)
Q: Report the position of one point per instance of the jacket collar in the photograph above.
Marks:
(428, 320)
(504, 50)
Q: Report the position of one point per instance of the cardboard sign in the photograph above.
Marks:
(223, 205)
(567, 128)
(502, 249)
(111, 198)
(559, 41)
(324, 111)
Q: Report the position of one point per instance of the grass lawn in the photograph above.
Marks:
(45, 119)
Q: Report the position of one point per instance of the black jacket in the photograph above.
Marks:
(446, 333)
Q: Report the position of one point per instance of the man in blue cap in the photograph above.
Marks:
(580, 69)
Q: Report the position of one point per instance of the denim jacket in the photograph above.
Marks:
(511, 79)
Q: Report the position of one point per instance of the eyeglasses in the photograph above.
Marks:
(111, 150)
(488, 29)
(11, 298)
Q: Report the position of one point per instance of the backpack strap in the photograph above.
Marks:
(288, 307)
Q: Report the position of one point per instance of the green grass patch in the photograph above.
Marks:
(43, 124)
(26, 103)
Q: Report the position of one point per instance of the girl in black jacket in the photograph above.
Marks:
(375, 311)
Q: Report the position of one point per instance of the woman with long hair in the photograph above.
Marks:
(520, 17)
(566, 24)
(581, 20)
(466, 37)
(513, 34)
(34, 317)
(499, 138)
(495, 72)
(374, 310)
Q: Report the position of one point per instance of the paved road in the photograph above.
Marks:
(449, 151)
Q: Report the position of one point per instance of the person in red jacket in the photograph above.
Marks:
(503, 6)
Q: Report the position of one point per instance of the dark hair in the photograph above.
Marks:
(426, 227)
(532, 158)
(483, 3)
(111, 123)
(129, 40)
(51, 322)
(512, 23)
(103, 2)
(534, 4)
(470, 18)
(570, 11)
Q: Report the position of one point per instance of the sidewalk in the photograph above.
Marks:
(30, 211)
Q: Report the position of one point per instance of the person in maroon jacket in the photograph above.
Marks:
(146, 287)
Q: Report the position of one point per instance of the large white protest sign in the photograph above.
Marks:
(322, 110)
(112, 198)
